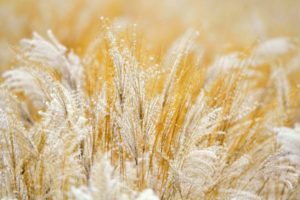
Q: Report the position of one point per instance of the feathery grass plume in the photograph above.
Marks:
(138, 111)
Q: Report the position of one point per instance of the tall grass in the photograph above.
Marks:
(120, 121)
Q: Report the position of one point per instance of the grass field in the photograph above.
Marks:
(148, 100)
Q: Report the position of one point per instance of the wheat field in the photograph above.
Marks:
(149, 99)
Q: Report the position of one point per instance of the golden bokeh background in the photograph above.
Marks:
(223, 25)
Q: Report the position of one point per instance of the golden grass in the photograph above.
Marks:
(139, 105)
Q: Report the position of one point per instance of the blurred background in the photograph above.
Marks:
(223, 25)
